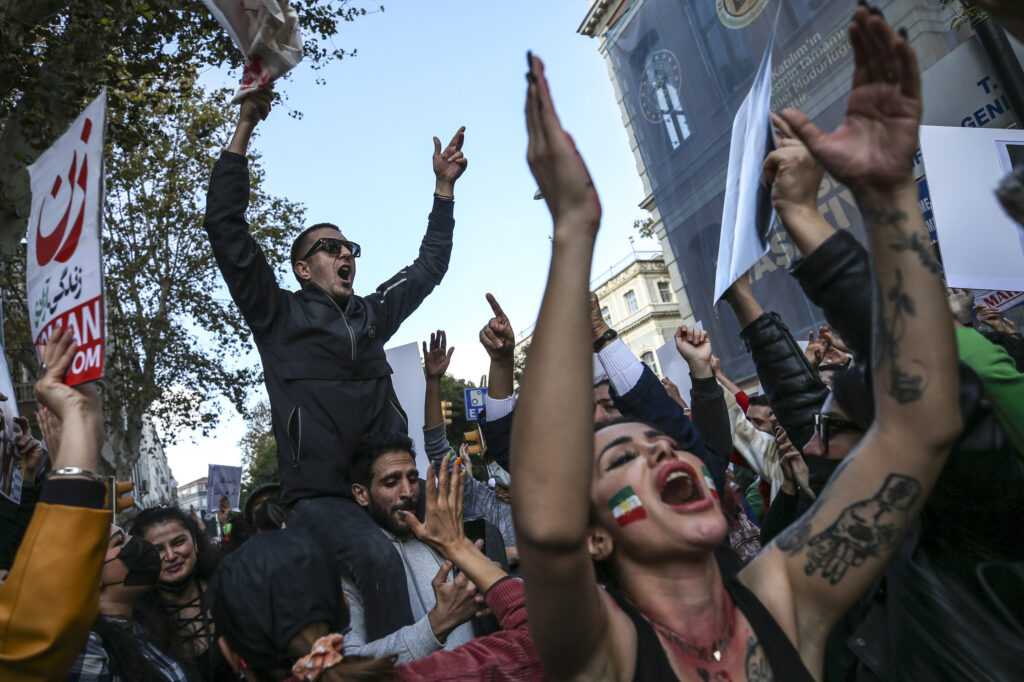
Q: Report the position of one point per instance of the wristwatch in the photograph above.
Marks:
(604, 339)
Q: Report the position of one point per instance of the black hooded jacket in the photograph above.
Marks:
(326, 372)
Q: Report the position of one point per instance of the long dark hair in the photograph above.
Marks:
(207, 555)
(126, 658)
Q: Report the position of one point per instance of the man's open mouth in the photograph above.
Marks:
(679, 486)
(345, 273)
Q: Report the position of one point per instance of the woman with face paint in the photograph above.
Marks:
(124, 643)
(631, 500)
(187, 561)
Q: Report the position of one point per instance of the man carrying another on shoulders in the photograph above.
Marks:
(322, 349)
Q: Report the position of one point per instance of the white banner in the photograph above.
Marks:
(747, 213)
(267, 33)
(223, 480)
(11, 463)
(411, 388)
(65, 262)
(982, 247)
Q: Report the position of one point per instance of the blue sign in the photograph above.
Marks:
(925, 200)
(474, 402)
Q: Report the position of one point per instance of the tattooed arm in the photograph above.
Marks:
(836, 551)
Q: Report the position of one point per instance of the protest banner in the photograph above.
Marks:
(1000, 300)
(266, 32)
(747, 213)
(65, 262)
(411, 388)
(982, 247)
(222, 480)
(11, 472)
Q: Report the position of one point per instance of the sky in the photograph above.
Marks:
(360, 157)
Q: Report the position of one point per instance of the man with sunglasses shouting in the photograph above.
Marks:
(322, 349)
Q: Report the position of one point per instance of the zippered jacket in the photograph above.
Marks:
(328, 379)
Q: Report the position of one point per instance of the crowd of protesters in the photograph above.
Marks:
(853, 520)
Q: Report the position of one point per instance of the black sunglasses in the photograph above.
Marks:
(826, 425)
(334, 246)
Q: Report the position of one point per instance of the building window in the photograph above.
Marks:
(606, 315)
(664, 292)
(648, 359)
(631, 305)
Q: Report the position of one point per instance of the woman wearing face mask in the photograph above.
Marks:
(124, 643)
(187, 560)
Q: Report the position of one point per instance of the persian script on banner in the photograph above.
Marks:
(266, 32)
(65, 263)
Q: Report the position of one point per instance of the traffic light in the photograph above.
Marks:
(117, 503)
(446, 408)
(476, 441)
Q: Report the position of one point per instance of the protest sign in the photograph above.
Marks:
(65, 263)
(223, 480)
(410, 387)
(748, 214)
(981, 246)
(11, 473)
(266, 32)
(675, 368)
(1000, 300)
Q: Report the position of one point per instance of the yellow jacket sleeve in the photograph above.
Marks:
(50, 599)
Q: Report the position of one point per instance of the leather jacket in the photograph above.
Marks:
(792, 386)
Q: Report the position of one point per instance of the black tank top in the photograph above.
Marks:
(652, 663)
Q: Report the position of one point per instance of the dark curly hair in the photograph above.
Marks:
(207, 555)
(370, 447)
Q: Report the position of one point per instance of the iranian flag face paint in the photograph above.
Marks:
(626, 507)
(710, 481)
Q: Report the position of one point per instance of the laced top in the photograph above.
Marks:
(196, 631)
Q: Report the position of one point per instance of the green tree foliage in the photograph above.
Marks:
(519, 364)
(645, 226)
(175, 341)
(259, 450)
(56, 55)
(452, 391)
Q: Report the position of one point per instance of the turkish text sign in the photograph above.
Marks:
(65, 263)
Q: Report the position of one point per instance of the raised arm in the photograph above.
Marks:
(247, 273)
(399, 296)
(56, 570)
(836, 551)
(552, 440)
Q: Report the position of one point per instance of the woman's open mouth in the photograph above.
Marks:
(680, 488)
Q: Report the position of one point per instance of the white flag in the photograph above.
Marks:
(748, 214)
(267, 33)
(65, 261)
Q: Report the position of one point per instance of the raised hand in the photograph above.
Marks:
(816, 348)
(450, 164)
(442, 521)
(255, 108)
(792, 172)
(673, 392)
(50, 388)
(597, 322)
(875, 144)
(30, 449)
(992, 318)
(794, 468)
(694, 346)
(436, 359)
(555, 163)
(497, 336)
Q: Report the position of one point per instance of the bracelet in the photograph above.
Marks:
(444, 197)
(76, 471)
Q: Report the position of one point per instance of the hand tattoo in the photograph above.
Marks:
(863, 529)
